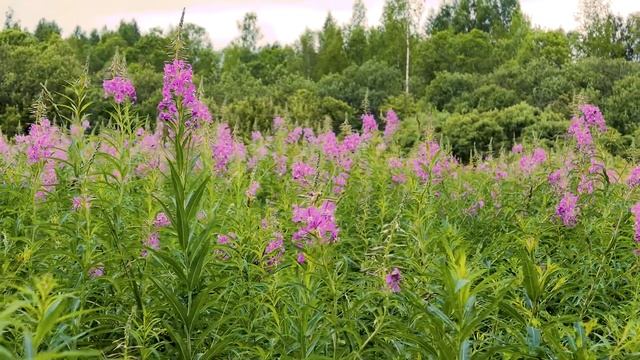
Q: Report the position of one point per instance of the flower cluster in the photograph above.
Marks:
(369, 124)
(80, 202)
(593, 117)
(301, 172)
(224, 240)
(393, 280)
(252, 190)
(178, 89)
(40, 141)
(96, 272)
(392, 124)
(4, 146)
(278, 123)
(274, 252)
(120, 88)
(517, 149)
(635, 210)
(475, 208)
(320, 222)
(294, 135)
(152, 242)
(530, 163)
(634, 178)
(429, 165)
(567, 210)
(225, 148)
(161, 220)
(558, 180)
(586, 185)
(581, 127)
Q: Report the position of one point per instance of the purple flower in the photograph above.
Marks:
(635, 210)
(81, 202)
(517, 149)
(369, 124)
(593, 116)
(76, 130)
(300, 258)
(350, 143)
(393, 280)
(256, 136)
(340, 181)
(427, 166)
(120, 88)
(301, 171)
(399, 178)
(225, 148)
(178, 86)
(96, 272)
(320, 222)
(557, 180)
(392, 124)
(278, 123)
(309, 135)
(153, 242)
(539, 156)
(567, 210)
(223, 239)
(294, 135)
(275, 250)
(596, 166)
(530, 163)
(500, 174)
(252, 190)
(582, 134)
(585, 186)
(634, 178)
(4, 146)
(395, 163)
(475, 208)
(161, 220)
(42, 139)
(281, 164)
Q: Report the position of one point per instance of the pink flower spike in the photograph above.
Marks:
(393, 280)
(161, 220)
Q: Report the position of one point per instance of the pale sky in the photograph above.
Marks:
(279, 20)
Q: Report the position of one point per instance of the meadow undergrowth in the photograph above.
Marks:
(176, 239)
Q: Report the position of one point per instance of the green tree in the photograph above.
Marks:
(460, 16)
(472, 132)
(46, 29)
(129, 32)
(447, 86)
(331, 53)
(357, 41)
(550, 45)
(249, 32)
(601, 33)
(307, 52)
(622, 108)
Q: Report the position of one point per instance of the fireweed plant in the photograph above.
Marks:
(177, 239)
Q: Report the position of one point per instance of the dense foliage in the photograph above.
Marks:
(185, 241)
(472, 59)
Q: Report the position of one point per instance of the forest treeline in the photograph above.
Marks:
(477, 69)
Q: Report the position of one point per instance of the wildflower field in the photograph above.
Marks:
(176, 239)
